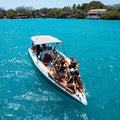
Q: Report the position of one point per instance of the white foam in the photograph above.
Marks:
(17, 61)
(110, 66)
(9, 115)
(9, 91)
(12, 59)
(14, 106)
(98, 67)
(84, 116)
(8, 75)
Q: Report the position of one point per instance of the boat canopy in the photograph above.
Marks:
(44, 39)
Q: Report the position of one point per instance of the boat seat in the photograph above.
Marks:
(46, 52)
(33, 48)
(40, 49)
(47, 58)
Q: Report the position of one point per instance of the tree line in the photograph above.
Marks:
(76, 11)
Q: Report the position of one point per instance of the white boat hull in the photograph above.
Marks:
(41, 67)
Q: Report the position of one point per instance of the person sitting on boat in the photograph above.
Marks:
(73, 63)
(38, 50)
(55, 60)
(44, 47)
(78, 80)
(67, 69)
(76, 70)
(62, 63)
(81, 88)
(71, 82)
(54, 56)
(49, 47)
(62, 68)
(63, 74)
(57, 67)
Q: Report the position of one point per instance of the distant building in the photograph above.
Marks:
(95, 13)
(21, 16)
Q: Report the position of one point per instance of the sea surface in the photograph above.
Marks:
(25, 95)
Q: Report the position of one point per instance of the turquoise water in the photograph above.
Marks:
(24, 94)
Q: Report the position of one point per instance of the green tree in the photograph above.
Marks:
(111, 15)
(84, 7)
(22, 10)
(30, 12)
(74, 6)
(68, 10)
(37, 12)
(11, 14)
(118, 9)
(92, 5)
(53, 12)
(96, 5)
(80, 14)
(45, 11)
(58, 13)
(111, 8)
(78, 6)
(2, 13)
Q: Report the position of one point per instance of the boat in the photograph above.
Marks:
(43, 46)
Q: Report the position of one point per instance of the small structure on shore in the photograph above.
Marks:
(95, 13)
(21, 16)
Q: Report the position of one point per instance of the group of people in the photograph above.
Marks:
(62, 70)
(70, 73)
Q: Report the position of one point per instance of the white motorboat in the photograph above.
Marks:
(39, 52)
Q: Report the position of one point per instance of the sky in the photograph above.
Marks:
(37, 4)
